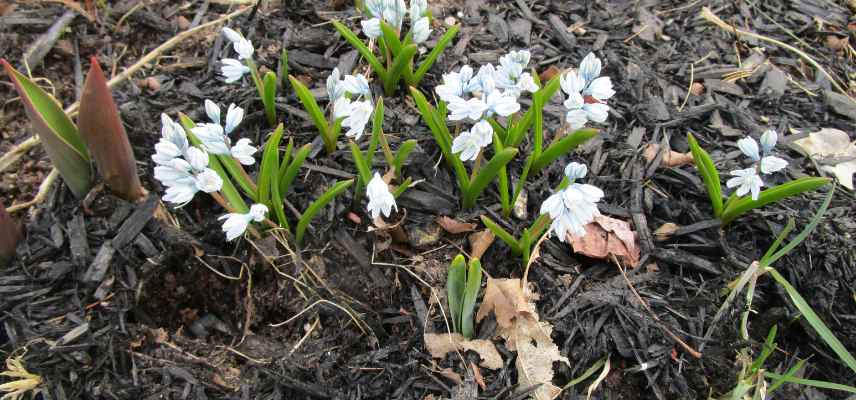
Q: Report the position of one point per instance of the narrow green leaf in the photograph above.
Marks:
(772, 195)
(239, 175)
(269, 170)
(432, 56)
(317, 205)
(362, 166)
(778, 242)
(292, 170)
(403, 152)
(812, 382)
(502, 234)
(780, 380)
(286, 158)
(471, 291)
(708, 174)
(456, 283)
(311, 107)
(269, 97)
(818, 216)
(377, 131)
(102, 130)
(517, 131)
(282, 73)
(502, 183)
(527, 166)
(486, 175)
(401, 61)
(364, 51)
(402, 187)
(390, 38)
(437, 125)
(498, 129)
(561, 147)
(59, 136)
(230, 193)
(546, 92)
(766, 351)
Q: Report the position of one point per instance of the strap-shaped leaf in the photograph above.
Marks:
(709, 175)
(282, 72)
(772, 195)
(402, 60)
(360, 161)
(269, 193)
(377, 132)
(437, 126)
(269, 97)
(317, 205)
(432, 56)
(59, 136)
(486, 175)
(561, 147)
(290, 172)
(403, 152)
(456, 283)
(364, 51)
(390, 38)
(502, 179)
(239, 174)
(311, 106)
(102, 130)
(471, 291)
(230, 193)
(502, 234)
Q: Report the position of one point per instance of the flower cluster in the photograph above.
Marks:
(393, 12)
(587, 91)
(236, 223)
(351, 97)
(381, 200)
(182, 168)
(574, 206)
(215, 137)
(234, 69)
(491, 91)
(749, 179)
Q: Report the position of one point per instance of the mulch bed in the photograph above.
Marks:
(108, 301)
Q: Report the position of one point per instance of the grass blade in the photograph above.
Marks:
(811, 382)
(311, 106)
(778, 242)
(59, 136)
(456, 282)
(767, 261)
(401, 61)
(101, 128)
(561, 147)
(772, 195)
(317, 205)
(486, 175)
(471, 291)
(364, 51)
(502, 234)
(708, 174)
(432, 56)
(288, 175)
(269, 97)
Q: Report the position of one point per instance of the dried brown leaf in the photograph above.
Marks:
(670, 159)
(829, 143)
(486, 350)
(440, 344)
(480, 242)
(506, 299)
(607, 236)
(454, 226)
(665, 231)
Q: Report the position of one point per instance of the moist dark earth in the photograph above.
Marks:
(107, 301)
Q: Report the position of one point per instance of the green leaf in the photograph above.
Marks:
(317, 205)
(311, 107)
(772, 195)
(288, 175)
(362, 167)
(239, 175)
(402, 187)
(780, 380)
(561, 147)
(269, 176)
(811, 382)
(471, 291)
(502, 234)
(456, 283)
(364, 51)
(769, 260)
(708, 174)
(766, 351)
(390, 38)
(486, 175)
(282, 72)
(102, 130)
(502, 182)
(401, 61)
(230, 193)
(432, 56)
(377, 131)
(59, 136)
(437, 125)
(527, 166)
(269, 97)
(403, 152)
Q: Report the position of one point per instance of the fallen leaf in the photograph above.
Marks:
(670, 159)
(826, 145)
(836, 43)
(665, 231)
(480, 242)
(440, 344)
(607, 236)
(477, 376)
(697, 88)
(454, 226)
(549, 73)
(505, 298)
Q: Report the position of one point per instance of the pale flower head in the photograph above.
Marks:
(357, 117)
(242, 46)
(232, 69)
(236, 223)
(418, 9)
(746, 181)
(212, 137)
(212, 110)
(197, 159)
(766, 162)
(467, 145)
(335, 88)
(357, 85)
(590, 67)
(573, 207)
(394, 12)
(460, 109)
(575, 171)
(484, 81)
(454, 84)
(421, 30)
(375, 7)
(243, 151)
(234, 116)
(381, 200)
(371, 27)
(498, 103)
(208, 181)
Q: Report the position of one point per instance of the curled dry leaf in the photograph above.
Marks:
(549, 73)
(670, 159)
(454, 226)
(608, 236)
(480, 242)
(665, 231)
(826, 146)
(440, 344)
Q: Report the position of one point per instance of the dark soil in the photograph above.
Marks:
(105, 300)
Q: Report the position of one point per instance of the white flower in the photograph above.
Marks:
(461, 109)
(418, 9)
(574, 207)
(746, 180)
(421, 30)
(357, 85)
(484, 81)
(243, 151)
(768, 163)
(175, 173)
(165, 152)
(180, 191)
(576, 171)
(371, 27)
(596, 86)
(213, 138)
(234, 116)
(484, 131)
(197, 159)
(454, 84)
(520, 57)
(381, 201)
(357, 115)
(236, 223)
(580, 112)
(498, 103)
(212, 110)
(572, 83)
(335, 88)
(232, 69)
(375, 7)
(242, 46)
(590, 67)
(173, 142)
(394, 12)
(469, 143)
(208, 181)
